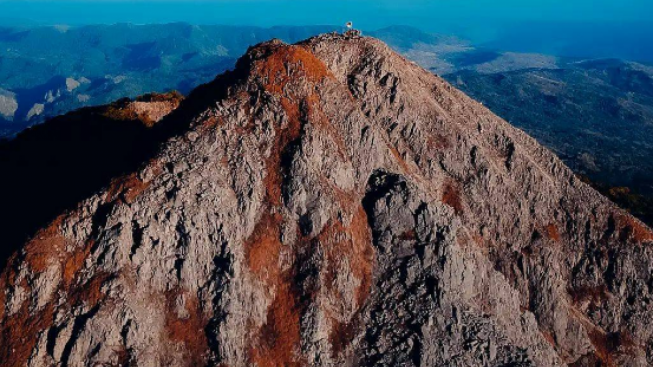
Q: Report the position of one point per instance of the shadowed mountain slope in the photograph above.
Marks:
(331, 203)
(56, 165)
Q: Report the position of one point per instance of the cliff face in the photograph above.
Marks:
(330, 203)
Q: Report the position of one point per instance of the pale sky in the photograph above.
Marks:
(427, 14)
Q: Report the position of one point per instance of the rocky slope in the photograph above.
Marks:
(332, 204)
(596, 115)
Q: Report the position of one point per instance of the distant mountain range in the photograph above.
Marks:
(47, 71)
(597, 115)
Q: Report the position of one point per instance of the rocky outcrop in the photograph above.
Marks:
(332, 204)
(148, 109)
(36, 110)
(8, 104)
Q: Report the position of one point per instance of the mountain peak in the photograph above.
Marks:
(331, 203)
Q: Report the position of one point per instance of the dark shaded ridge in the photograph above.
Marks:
(47, 170)
(51, 167)
(382, 186)
(379, 185)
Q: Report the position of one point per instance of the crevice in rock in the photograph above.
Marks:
(137, 239)
(100, 218)
(509, 152)
(285, 163)
(182, 244)
(473, 155)
(221, 274)
(78, 328)
(53, 334)
(611, 228)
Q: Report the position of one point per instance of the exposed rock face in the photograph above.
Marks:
(332, 204)
(8, 104)
(149, 109)
(36, 110)
(72, 84)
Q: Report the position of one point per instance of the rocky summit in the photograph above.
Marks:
(327, 203)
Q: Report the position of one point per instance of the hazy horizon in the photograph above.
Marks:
(370, 13)
(581, 28)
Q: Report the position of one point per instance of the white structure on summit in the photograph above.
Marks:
(351, 32)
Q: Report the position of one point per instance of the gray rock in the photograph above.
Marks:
(36, 110)
(8, 104)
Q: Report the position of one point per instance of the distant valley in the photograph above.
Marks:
(48, 71)
(597, 115)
